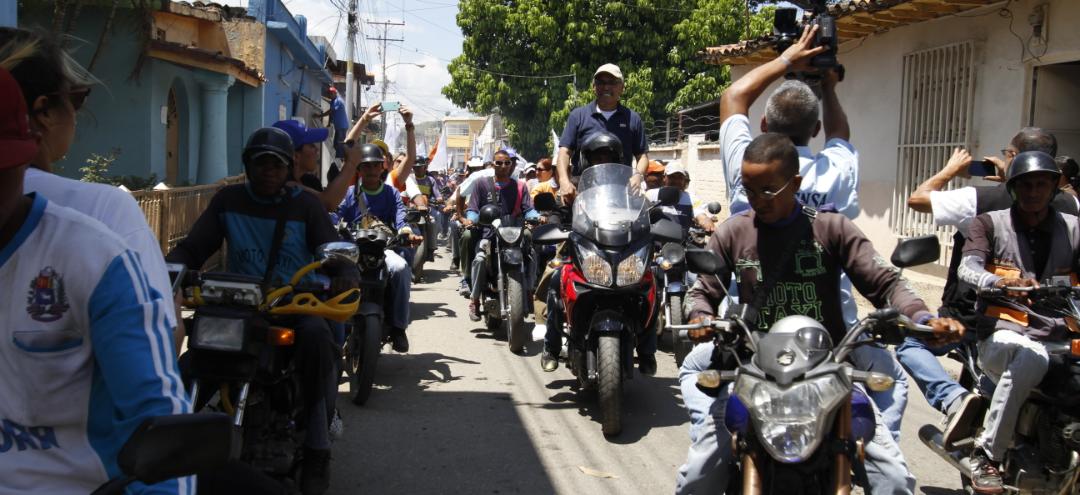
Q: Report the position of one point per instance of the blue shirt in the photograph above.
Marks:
(385, 204)
(587, 120)
(338, 114)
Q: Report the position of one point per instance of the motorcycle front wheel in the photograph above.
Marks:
(609, 358)
(419, 258)
(681, 346)
(515, 322)
(365, 343)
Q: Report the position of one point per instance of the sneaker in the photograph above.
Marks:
(464, 289)
(548, 361)
(474, 310)
(453, 265)
(315, 476)
(398, 341)
(647, 365)
(985, 477)
(960, 419)
(337, 426)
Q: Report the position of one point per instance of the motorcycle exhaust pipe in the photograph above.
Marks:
(751, 476)
(931, 437)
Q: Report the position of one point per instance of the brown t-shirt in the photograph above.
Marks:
(812, 287)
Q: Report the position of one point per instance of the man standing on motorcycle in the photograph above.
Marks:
(273, 230)
(783, 245)
(374, 197)
(512, 197)
(1017, 247)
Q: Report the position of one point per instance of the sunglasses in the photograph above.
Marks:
(538, 169)
(605, 82)
(766, 195)
(504, 162)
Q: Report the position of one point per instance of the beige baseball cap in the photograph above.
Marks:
(676, 168)
(609, 69)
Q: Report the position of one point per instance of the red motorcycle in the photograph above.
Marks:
(608, 294)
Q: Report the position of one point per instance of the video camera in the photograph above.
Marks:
(787, 29)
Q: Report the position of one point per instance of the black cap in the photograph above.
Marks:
(268, 140)
(1030, 162)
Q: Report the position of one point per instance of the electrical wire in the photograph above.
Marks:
(502, 74)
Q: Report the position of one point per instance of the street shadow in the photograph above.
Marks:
(432, 275)
(423, 310)
(934, 490)
(648, 402)
(405, 373)
(475, 443)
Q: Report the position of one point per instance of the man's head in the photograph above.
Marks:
(388, 157)
(601, 147)
(420, 167)
(676, 176)
(530, 172)
(1033, 181)
(306, 144)
(372, 162)
(794, 110)
(268, 160)
(332, 91)
(654, 175)
(504, 164)
(475, 164)
(770, 175)
(608, 86)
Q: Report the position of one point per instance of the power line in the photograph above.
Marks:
(503, 74)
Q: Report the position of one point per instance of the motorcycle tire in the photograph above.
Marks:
(682, 346)
(419, 258)
(609, 358)
(516, 334)
(365, 346)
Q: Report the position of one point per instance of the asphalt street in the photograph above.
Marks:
(460, 414)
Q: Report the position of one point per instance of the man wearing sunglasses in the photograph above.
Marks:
(604, 114)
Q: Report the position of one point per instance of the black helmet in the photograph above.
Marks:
(421, 161)
(1030, 162)
(268, 140)
(489, 213)
(601, 141)
(371, 153)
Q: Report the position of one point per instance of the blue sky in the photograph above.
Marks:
(431, 38)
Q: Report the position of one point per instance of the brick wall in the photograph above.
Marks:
(702, 160)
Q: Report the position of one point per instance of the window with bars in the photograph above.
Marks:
(937, 95)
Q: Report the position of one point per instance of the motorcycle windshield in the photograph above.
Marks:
(606, 211)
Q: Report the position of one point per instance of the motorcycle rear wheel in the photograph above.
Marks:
(681, 346)
(419, 258)
(516, 333)
(609, 358)
(365, 343)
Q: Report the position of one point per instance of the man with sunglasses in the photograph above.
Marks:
(603, 114)
(782, 246)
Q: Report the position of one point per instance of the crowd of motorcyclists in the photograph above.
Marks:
(605, 248)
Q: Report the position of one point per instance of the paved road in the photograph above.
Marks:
(461, 414)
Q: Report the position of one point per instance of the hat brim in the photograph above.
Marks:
(17, 152)
(284, 159)
(316, 135)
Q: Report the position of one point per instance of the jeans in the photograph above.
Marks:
(646, 345)
(467, 249)
(892, 402)
(706, 467)
(1016, 364)
(920, 361)
(479, 269)
(455, 241)
(400, 286)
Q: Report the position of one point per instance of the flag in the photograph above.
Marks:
(554, 145)
(421, 148)
(440, 157)
(392, 136)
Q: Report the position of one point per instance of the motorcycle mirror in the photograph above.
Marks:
(545, 201)
(668, 195)
(549, 233)
(339, 250)
(714, 208)
(167, 447)
(665, 230)
(703, 261)
(916, 251)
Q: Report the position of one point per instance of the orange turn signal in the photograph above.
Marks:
(1074, 347)
(282, 336)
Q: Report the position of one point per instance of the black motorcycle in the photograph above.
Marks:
(421, 223)
(1047, 454)
(239, 359)
(799, 425)
(508, 262)
(608, 296)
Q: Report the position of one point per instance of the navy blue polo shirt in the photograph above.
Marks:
(624, 124)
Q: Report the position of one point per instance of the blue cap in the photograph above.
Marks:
(300, 133)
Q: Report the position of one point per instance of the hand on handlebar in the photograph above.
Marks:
(567, 191)
(415, 240)
(703, 334)
(1011, 282)
(946, 331)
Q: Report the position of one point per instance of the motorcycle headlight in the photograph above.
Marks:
(510, 235)
(790, 421)
(631, 268)
(219, 334)
(595, 268)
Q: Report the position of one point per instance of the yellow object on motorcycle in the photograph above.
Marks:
(709, 379)
(338, 309)
(879, 382)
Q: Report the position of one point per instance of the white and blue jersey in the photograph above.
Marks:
(85, 357)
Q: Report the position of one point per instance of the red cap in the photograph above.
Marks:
(15, 139)
(332, 90)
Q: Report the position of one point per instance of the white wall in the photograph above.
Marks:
(870, 92)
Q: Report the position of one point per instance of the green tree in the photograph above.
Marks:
(656, 43)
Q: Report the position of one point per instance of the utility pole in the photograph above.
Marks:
(350, 48)
(386, 26)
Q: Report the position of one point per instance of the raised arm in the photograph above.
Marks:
(833, 117)
(362, 123)
(742, 93)
(920, 198)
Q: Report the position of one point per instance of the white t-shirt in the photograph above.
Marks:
(686, 198)
(956, 207)
(606, 113)
(119, 212)
(86, 355)
(828, 177)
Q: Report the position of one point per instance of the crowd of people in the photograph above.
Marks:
(101, 330)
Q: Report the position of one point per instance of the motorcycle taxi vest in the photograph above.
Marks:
(1008, 261)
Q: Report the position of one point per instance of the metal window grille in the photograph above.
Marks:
(937, 97)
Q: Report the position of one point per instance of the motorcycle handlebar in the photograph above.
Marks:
(1032, 292)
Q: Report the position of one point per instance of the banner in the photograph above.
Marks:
(392, 136)
(554, 146)
(440, 157)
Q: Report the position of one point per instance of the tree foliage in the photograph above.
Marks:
(656, 43)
